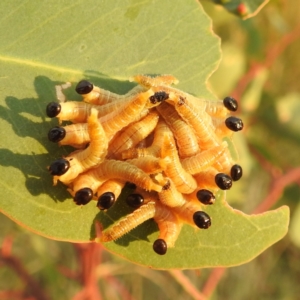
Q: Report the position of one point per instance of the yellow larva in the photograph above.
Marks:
(185, 137)
(76, 134)
(214, 108)
(117, 120)
(114, 106)
(134, 133)
(169, 227)
(101, 97)
(124, 171)
(127, 223)
(203, 160)
(154, 149)
(200, 122)
(165, 141)
(74, 111)
(184, 182)
(93, 155)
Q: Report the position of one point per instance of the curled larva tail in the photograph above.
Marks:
(126, 224)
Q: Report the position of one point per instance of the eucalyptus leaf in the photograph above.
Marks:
(52, 42)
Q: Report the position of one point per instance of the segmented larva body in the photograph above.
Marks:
(200, 122)
(74, 111)
(100, 96)
(93, 155)
(117, 120)
(127, 172)
(154, 149)
(168, 148)
(203, 160)
(184, 181)
(185, 137)
(129, 222)
(134, 133)
(77, 134)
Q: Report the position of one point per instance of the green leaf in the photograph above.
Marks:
(243, 8)
(48, 43)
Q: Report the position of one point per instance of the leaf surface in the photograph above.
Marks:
(48, 43)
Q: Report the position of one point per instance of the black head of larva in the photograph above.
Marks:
(83, 196)
(59, 167)
(106, 200)
(223, 181)
(206, 197)
(84, 87)
(160, 246)
(202, 219)
(53, 109)
(236, 172)
(230, 103)
(159, 97)
(56, 134)
(234, 123)
(135, 200)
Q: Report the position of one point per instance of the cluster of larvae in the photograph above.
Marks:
(167, 144)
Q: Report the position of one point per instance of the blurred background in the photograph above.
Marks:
(261, 68)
